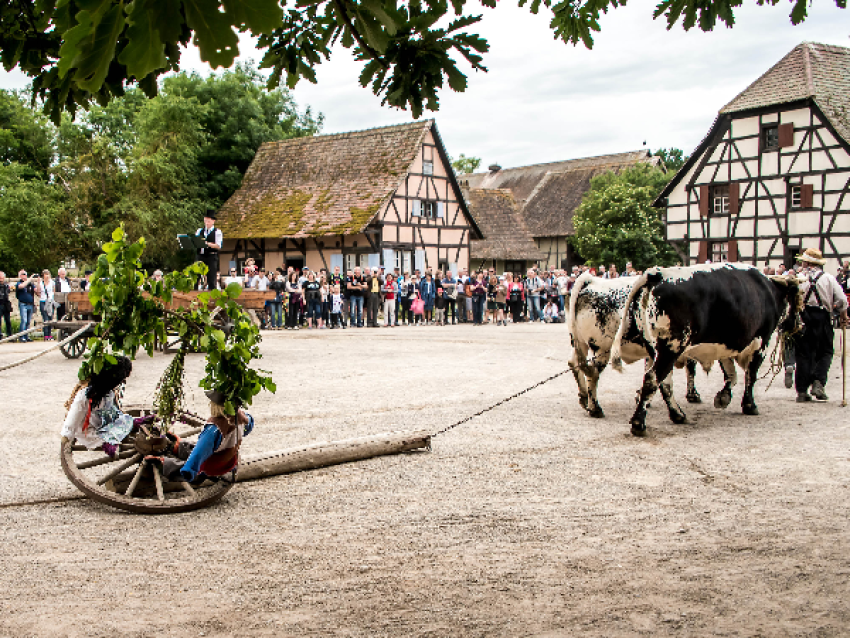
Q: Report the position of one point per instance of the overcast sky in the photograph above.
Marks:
(545, 101)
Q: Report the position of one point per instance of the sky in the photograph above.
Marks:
(545, 101)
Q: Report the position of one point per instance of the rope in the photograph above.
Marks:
(45, 351)
(20, 334)
(503, 401)
(777, 360)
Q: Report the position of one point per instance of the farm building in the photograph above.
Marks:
(547, 196)
(772, 176)
(385, 196)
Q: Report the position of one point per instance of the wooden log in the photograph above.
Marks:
(323, 454)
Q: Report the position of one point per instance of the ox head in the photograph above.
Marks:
(791, 303)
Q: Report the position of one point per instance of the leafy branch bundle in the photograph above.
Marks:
(134, 308)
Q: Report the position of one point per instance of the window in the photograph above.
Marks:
(770, 138)
(429, 209)
(720, 200)
(428, 167)
(796, 196)
(719, 251)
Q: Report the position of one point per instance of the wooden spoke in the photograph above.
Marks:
(106, 459)
(192, 432)
(158, 480)
(113, 473)
(132, 487)
(188, 488)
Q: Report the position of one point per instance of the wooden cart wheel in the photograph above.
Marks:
(131, 483)
(75, 348)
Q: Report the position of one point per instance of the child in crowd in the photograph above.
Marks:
(551, 312)
(440, 303)
(336, 303)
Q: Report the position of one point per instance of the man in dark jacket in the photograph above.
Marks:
(5, 304)
(373, 297)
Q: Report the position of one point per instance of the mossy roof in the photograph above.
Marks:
(505, 234)
(321, 185)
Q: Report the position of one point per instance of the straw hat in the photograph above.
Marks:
(812, 256)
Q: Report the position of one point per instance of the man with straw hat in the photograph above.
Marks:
(814, 349)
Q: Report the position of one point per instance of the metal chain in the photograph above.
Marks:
(503, 401)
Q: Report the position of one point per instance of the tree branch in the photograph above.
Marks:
(372, 53)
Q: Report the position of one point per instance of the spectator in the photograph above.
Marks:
(405, 289)
(346, 301)
(612, 274)
(478, 293)
(25, 294)
(313, 298)
(515, 296)
(501, 298)
(563, 284)
(450, 294)
(468, 281)
(390, 290)
(276, 304)
(5, 304)
(601, 272)
(440, 303)
(428, 291)
(63, 286)
(492, 283)
(533, 287)
(551, 313)
(86, 281)
(336, 306)
(326, 296)
(356, 285)
(373, 297)
(46, 303)
(460, 308)
(415, 285)
(293, 288)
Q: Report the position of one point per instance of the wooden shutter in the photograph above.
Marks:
(419, 261)
(807, 195)
(732, 253)
(416, 208)
(734, 193)
(336, 260)
(389, 259)
(441, 210)
(786, 135)
(702, 255)
(703, 200)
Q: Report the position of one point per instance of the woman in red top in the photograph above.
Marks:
(516, 297)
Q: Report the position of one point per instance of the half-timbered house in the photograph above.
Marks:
(772, 176)
(548, 196)
(385, 196)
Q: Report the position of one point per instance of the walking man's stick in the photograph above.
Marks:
(844, 364)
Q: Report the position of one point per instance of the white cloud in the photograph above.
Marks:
(545, 101)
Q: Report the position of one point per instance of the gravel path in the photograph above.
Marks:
(532, 520)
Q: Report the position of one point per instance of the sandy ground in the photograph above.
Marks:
(532, 520)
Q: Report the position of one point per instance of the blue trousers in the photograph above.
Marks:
(26, 310)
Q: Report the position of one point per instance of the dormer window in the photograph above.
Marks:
(428, 167)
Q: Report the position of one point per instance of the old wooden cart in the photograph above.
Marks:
(79, 312)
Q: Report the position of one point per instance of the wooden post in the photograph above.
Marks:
(330, 453)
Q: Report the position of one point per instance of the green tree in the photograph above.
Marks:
(25, 136)
(464, 164)
(616, 221)
(80, 51)
(673, 158)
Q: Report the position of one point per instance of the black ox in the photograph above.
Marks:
(707, 314)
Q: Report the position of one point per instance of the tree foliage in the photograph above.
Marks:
(617, 223)
(155, 165)
(673, 158)
(464, 164)
(84, 51)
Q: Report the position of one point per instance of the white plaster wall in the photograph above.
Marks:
(805, 222)
(745, 126)
(799, 118)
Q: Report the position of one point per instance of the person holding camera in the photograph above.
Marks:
(25, 294)
(47, 302)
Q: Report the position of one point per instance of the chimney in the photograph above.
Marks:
(494, 168)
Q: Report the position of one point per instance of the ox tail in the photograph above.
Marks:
(572, 325)
(646, 280)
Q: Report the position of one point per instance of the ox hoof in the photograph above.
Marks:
(751, 409)
(582, 400)
(597, 413)
(722, 400)
(678, 418)
(638, 429)
(693, 397)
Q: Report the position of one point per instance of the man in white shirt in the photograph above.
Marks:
(814, 346)
(213, 241)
